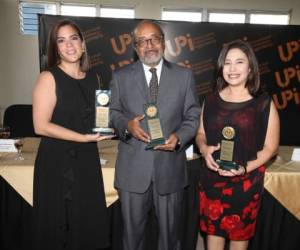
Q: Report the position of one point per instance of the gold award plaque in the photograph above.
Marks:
(102, 99)
(227, 149)
(154, 125)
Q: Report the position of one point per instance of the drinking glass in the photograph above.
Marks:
(19, 145)
(4, 132)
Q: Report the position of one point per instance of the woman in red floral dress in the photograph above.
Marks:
(230, 199)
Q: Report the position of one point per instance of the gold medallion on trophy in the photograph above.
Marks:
(228, 132)
(151, 111)
(103, 99)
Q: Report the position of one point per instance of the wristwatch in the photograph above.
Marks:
(127, 135)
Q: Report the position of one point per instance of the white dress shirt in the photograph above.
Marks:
(148, 74)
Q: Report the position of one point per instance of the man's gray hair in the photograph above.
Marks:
(141, 23)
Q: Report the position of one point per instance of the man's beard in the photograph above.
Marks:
(152, 59)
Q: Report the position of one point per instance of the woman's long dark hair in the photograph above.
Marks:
(52, 52)
(253, 81)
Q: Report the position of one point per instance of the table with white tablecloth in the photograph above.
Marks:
(278, 225)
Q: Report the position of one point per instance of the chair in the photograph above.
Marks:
(19, 118)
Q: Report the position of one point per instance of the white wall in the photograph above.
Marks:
(19, 58)
(19, 64)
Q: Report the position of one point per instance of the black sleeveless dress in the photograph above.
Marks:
(229, 205)
(68, 194)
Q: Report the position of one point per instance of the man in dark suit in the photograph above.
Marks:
(152, 177)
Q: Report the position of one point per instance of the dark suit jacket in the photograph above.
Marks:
(179, 113)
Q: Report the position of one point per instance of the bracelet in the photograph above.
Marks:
(245, 170)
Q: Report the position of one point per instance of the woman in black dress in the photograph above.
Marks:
(238, 111)
(68, 198)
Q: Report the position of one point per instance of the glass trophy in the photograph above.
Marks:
(154, 125)
(102, 100)
(227, 149)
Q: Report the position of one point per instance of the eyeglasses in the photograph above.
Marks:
(155, 40)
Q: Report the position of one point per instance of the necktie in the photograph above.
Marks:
(153, 85)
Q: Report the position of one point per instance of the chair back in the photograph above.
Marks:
(19, 118)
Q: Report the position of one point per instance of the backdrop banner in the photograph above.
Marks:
(197, 46)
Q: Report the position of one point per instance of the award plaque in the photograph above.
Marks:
(102, 100)
(227, 148)
(154, 126)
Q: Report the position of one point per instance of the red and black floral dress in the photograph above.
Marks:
(229, 205)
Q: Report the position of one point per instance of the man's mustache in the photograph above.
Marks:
(151, 50)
